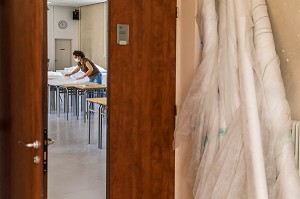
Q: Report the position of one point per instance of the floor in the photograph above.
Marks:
(76, 169)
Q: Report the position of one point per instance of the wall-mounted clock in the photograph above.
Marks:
(62, 24)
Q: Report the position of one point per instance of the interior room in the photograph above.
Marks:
(77, 166)
(148, 91)
(188, 60)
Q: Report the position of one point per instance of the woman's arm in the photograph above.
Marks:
(90, 70)
(73, 72)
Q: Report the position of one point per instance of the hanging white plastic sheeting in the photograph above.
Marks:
(275, 108)
(222, 121)
(252, 135)
(201, 113)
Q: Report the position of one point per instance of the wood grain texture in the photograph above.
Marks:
(45, 89)
(141, 100)
(22, 95)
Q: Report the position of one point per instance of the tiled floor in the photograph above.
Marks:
(77, 170)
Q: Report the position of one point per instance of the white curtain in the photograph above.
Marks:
(236, 114)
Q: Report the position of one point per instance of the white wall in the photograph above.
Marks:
(55, 14)
(93, 26)
(285, 20)
(188, 58)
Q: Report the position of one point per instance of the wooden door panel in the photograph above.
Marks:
(141, 94)
(23, 67)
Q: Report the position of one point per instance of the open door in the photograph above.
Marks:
(23, 101)
(141, 100)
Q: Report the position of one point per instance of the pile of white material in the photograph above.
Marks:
(236, 114)
(59, 78)
(80, 73)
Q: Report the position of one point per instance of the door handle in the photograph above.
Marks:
(34, 145)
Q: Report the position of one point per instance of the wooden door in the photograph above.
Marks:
(23, 101)
(141, 100)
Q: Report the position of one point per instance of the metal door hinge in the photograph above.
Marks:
(175, 110)
(177, 12)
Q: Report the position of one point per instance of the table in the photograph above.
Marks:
(56, 82)
(60, 83)
(70, 89)
(102, 101)
(85, 89)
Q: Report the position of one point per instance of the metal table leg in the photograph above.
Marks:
(89, 126)
(100, 127)
(100, 130)
(49, 99)
(74, 101)
(84, 106)
(77, 103)
(57, 101)
(67, 102)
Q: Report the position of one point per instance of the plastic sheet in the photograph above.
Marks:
(58, 79)
(236, 114)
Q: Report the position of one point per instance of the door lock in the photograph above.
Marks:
(36, 159)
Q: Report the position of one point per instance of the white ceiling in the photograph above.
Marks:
(73, 3)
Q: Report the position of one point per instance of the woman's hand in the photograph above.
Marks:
(78, 78)
(73, 72)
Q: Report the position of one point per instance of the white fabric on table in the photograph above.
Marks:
(80, 73)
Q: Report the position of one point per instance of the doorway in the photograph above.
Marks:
(77, 168)
(141, 93)
(62, 53)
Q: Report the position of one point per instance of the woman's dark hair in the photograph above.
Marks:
(78, 53)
